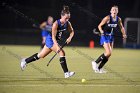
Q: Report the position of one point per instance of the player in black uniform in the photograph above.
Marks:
(107, 26)
(51, 44)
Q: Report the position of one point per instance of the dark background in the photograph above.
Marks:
(85, 16)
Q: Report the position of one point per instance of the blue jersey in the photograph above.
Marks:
(109, 29)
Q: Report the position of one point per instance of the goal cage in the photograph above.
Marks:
(132, 27)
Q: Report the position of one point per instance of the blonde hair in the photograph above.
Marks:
(50, 17)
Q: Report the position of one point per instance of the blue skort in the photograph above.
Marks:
(106, 39)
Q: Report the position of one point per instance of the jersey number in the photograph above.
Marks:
(59, 35)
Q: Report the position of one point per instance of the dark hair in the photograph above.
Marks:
(65, 10)
(115, 6)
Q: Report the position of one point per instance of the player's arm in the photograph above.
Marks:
(70, 29)
(122, 28)
(54, 32)
(104, 21)
(42, 25)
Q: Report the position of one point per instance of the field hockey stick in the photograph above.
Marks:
(99, 34)
(96, 32)
(56, 53)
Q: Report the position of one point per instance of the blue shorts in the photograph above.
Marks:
(49, 42)
(106, 39)
(44, 33)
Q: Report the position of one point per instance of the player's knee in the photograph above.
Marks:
(62, 53)
(41, 56)
(108, 54)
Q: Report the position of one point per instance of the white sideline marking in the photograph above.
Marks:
(76, 85)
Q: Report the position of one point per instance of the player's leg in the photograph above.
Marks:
(102, 59)
(44, 52)
(43, 34)
(108, 51)
(112, 45)
(106, 55)
(63, 63)
(62, 59)
(43, 42)
(95, 63)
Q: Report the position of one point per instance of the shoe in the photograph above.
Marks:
(95, 66)
(102, 71)
(97, 70)
(69, 74)
(23, 64)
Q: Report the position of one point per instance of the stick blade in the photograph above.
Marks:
(95, 31)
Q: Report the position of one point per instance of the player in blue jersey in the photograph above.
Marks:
(51, 43)
(46, 27)
(107, 26)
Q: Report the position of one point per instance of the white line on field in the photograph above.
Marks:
(71, 85)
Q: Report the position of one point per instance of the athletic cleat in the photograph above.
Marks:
(23, 64)
(95, 66)
(69, 74)
(102, 71)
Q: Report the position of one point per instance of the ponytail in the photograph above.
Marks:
(65, 10)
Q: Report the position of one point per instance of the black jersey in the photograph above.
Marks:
(60, 30)
(111, 26)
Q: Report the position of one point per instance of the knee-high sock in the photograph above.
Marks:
(63, 64)
(32, 58)
(100, 58)
(103, 62)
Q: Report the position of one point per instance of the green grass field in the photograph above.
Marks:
(123, 72)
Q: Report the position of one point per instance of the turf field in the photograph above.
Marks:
(123, 72)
